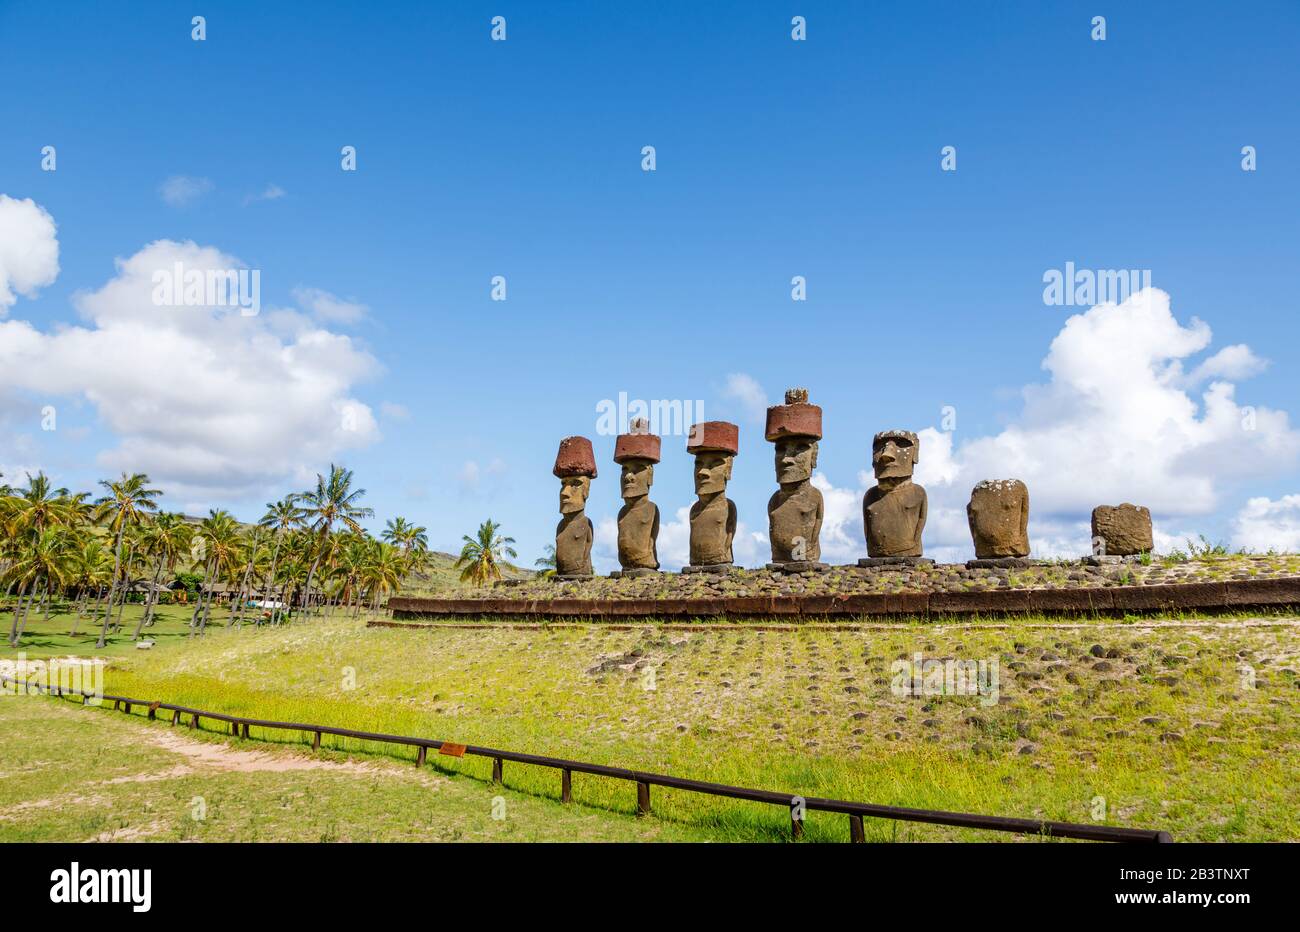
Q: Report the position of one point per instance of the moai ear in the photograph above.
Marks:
(814, 456)
(730, 460)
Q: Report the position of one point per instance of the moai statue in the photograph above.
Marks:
(638, 519)
(1120, 531)
(575, 465)
(894, 509)
(795, 511)
(713, 517)
(999, 523)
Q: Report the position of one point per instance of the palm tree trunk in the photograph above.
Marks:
(13, 627)
(117, 562)
(148, 606)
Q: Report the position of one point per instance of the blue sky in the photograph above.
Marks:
(775, 158)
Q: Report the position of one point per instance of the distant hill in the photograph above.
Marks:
(442, 575)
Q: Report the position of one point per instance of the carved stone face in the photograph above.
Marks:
(712, 471)
(893, 458)
(573, 494)
(796, 458)
(638, 476)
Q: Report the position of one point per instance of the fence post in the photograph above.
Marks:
(245, 729)
(419, 757)
(315, 742)
(194, 721)
(566, 785)
(856, 834)
(796, 828)
(497, 766)
(176, 716)
(642, 798)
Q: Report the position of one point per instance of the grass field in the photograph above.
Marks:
(73, 774)
(1190, 727)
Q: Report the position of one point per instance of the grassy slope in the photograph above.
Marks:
(808, 712)
(73, 774)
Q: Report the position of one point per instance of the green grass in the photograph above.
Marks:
(807, 711)
(74, 774)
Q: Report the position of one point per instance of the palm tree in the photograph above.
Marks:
(222, 549)
(45, 563)
(481, 558)
(546, 561)
(332, 500)
(91, 571)
(281, 516)
(127, 501)
(401, 533)
(383, 571)
(165, 539)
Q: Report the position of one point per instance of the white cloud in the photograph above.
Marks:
(1265, 524)
(208, 402)
(329, 308)
(272, 192)
(1115, 424)
(475, 478)
(29, 250)
(183, 190)
(1231, 362)
(748, 394)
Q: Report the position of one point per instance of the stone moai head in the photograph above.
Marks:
(894, 511)
(575, 466)
(894, 454)
(795, 427)
(637, 452)
(999, 518)
(714, 445)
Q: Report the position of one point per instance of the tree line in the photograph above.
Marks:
(307, 554)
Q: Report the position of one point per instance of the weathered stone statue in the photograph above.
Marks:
(894, 509)
(575, 465)
(999, 522)
(638, 519)
(714, 445)
(1121, 530)
(795, 511)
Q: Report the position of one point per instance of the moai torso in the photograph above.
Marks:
(573, 545)
(999, 518)
(795, 523)
(713, 525)
(638, 527)
(894, 520)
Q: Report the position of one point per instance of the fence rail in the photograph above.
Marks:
(239, 726)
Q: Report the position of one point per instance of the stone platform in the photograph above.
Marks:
(923, 590)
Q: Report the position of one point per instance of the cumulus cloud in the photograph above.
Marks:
(205, 400)
(1232, 362)
(1117, 421)
(29, 250)
(329, 308)
(1265, 524)
(182, 190)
